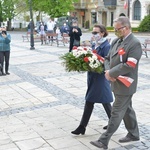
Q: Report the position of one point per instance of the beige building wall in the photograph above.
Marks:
(105, 15)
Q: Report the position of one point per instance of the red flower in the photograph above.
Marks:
(121, 51)
(94, 51)
(86, 59)
(74, 47)
(85, 48)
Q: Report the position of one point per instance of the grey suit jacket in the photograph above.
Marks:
(133, 49)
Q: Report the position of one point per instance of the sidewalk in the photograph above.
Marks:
(41, 103)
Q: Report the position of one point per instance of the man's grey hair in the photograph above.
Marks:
(123, 21)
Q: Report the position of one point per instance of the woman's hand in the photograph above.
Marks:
(4, 35)
(75, 30)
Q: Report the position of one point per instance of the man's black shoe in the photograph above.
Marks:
(2, 74)
(128, 139)
(99, 144)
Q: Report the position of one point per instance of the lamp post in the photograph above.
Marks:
(128, 11)
(31, 27)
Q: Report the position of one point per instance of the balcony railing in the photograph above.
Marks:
(110, 3)
(80, 5)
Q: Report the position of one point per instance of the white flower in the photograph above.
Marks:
(95, 65)
(89, 48)
(74, 52)
(91, 60)
(91, 65)
(79, 48)
(97, 62)
(94, 57)
(80, 53)
(85, 52)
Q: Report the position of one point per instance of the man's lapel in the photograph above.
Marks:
(123, 44)
(116, 47)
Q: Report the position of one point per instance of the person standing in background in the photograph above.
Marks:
(74, 33)
(42, 33)
(29, 27)
(5, 40)
(64, 29)
(50, 27)
(59, 36)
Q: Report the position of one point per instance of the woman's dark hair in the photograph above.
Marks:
(102, 29)
(122, 14)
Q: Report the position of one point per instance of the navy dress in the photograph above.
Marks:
(99, 90)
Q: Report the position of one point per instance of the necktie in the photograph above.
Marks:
(119, 42)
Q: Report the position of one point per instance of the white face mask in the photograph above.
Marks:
(97, 36)
(98, 39)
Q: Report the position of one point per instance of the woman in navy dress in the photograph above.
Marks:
(98, 90)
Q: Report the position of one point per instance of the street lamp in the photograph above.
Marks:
(128, 13)
(31, 27)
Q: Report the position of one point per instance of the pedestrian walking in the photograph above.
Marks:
(122, 60)
(98, 90)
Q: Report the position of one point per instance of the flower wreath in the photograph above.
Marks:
(83, 59)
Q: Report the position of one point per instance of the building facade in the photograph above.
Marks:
(90, 12)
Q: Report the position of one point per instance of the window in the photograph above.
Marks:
(137, 10)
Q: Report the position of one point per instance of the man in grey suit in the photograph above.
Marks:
(122, 64)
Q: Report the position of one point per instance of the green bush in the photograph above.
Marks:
(135, 29)
(145, 24)
(110, 28)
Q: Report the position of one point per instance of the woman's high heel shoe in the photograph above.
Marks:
(105, 127)
(80, 130)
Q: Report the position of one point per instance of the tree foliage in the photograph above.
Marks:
(21, 7)
(7, 10)
(1, 14)
(54, 8)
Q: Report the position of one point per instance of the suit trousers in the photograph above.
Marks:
(121, 110)
(4, 55)
(88, 109)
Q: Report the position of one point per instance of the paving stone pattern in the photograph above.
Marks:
(41, 103)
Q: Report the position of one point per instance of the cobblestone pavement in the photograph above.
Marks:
(41, 103)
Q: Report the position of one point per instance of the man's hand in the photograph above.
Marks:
(108, 77)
